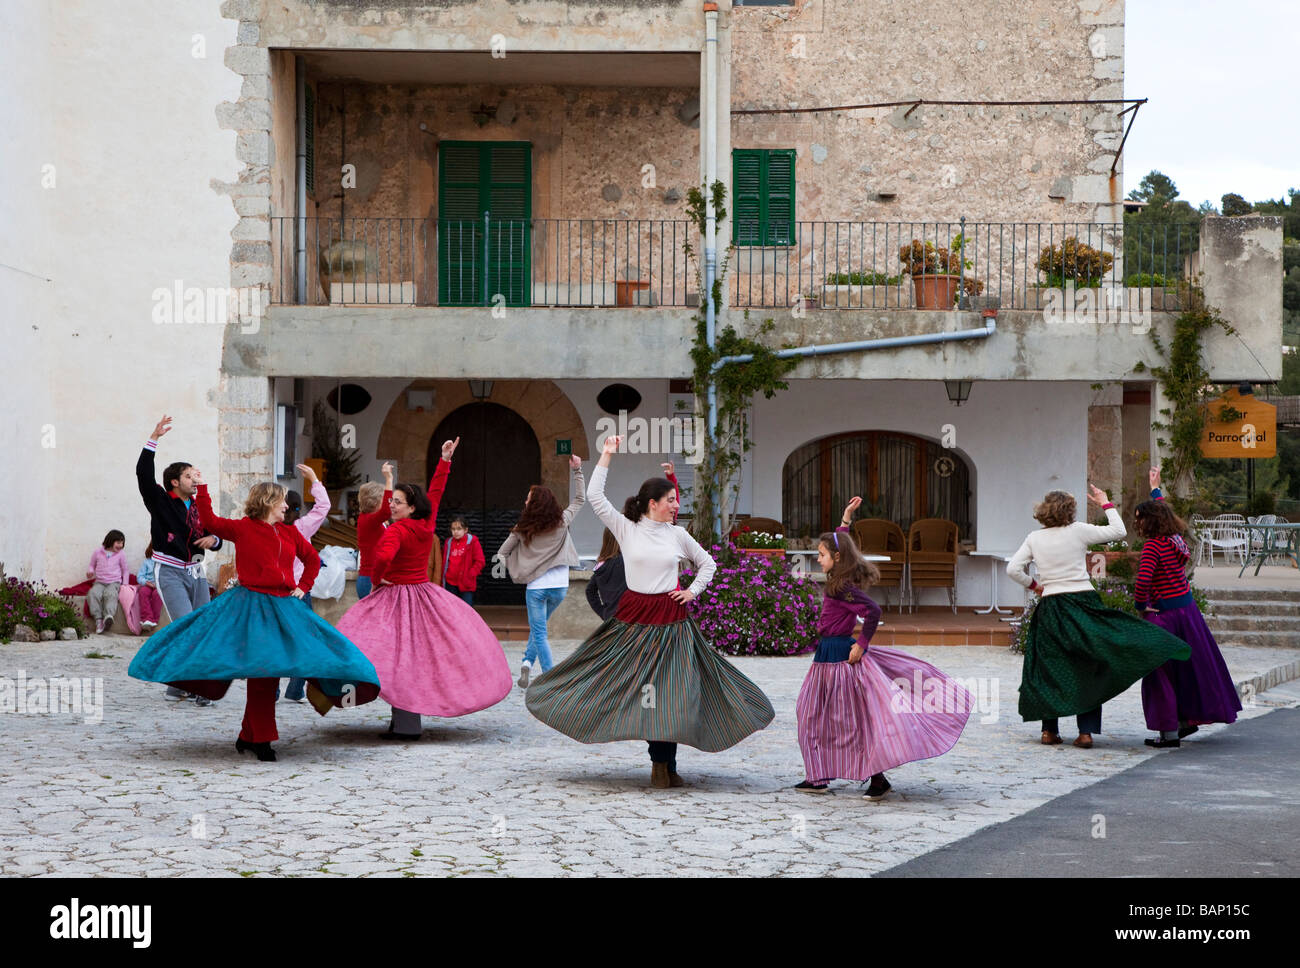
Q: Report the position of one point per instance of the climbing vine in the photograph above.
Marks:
(1185, 383)
(722, 452)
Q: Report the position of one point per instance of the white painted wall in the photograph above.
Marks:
(126, 114)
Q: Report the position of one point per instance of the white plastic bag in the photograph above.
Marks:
(335, 563)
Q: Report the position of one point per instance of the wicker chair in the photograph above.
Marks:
(877, 536)
(932, 558)
(770, 525)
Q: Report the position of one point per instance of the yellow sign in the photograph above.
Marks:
(1252, 431)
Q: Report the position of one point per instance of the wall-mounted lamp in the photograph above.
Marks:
(480, 389)
(958, 390)
(483, 114)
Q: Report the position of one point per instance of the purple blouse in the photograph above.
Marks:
(839, 616)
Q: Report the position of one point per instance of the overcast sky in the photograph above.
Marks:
(1223, 77)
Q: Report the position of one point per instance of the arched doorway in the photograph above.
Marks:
(499, 458)
(900, 477)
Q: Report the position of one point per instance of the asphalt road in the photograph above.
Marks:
(1225, 804)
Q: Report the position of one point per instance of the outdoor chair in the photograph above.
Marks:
(932, 558)
(876, 536)
(1227, 535)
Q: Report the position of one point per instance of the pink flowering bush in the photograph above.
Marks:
(755, 606)
(34, 605)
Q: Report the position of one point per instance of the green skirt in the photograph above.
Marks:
(652, 682)
(1079, 654)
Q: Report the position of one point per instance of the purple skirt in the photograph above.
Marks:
(1196, 691)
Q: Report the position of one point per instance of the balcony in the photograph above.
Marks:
(839, 265)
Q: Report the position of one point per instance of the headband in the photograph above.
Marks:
(837, 540)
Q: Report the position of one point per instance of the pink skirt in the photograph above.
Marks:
(889, 709)
(433, 653)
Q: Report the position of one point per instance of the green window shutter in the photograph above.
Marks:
(747, 191)
(309, 149)
(779, 221)
(460, 226)
(509, 204)
(762, 183)
(474, 179)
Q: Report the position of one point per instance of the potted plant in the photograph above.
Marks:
(759, 542)
(937, 272)
(1073, 261)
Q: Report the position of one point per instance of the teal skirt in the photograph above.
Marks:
(1079, 654)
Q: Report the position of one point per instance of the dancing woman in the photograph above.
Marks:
(257, 630)
(648, 673)
(1179, 696)
(434, 654)
(1079, 653)
(538, 554)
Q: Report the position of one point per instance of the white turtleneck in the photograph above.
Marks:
(651, 549)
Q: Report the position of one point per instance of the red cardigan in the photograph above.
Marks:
(264, 553)
(402, 554)
(464, 560)
(370, 526)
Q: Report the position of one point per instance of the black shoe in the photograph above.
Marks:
(1187, 731)
(263, 750)
(878, 788)
(108, 625)
(806, 787)
(1163, 744)
(404, 736)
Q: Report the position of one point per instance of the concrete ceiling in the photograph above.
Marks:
(671, 69)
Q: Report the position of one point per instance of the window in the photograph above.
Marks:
(763, 185)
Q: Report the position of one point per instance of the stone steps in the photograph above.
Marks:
(1255, 617)
(1261, 607)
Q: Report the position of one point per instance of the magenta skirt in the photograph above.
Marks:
(433, 653)
(889, 709)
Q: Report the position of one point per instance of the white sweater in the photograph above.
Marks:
(1060, 554)
(651, 549)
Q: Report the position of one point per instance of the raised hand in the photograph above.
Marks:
(612, 445)
(307, 473)
(387, 471)
(668, 468)
(853, 505)
(449, 448)
(196, 476)
(1097, 495)
(1153, 476)
(163, 425)
(575, 462)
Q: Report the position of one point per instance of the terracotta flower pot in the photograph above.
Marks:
(936, 291)
(768, 552)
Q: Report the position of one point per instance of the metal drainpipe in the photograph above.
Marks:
(709, 118)
(300, 196)
(988, 329)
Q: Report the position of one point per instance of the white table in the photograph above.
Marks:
(994, 557)
(807, 568)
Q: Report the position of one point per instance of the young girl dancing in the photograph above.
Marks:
(434, 654)
(1079, 653)
(1179, 696)
(257, 630)
(648, 673)
(857, 710)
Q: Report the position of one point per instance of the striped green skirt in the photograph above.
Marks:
(648, 673)
(1079, 654)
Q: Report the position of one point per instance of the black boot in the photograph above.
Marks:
(262, 750)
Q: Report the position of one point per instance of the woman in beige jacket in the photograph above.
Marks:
(538, 554)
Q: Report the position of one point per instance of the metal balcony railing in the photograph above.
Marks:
(642, 262)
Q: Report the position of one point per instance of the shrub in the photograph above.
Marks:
(31, 603)
(862, 279)
(1073, 261)
(755, 606)
(744, 537)
(1147, 280)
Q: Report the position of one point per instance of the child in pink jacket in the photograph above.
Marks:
(108, 569)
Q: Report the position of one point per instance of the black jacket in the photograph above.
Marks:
(173, 527)
(607, 585)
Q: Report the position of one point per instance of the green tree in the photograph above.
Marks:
(1234, 204)
(1159, 238)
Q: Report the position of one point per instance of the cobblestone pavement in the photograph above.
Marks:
(157, 788)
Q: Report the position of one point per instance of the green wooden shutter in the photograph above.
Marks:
(309, 147)
(747, 191)
(779, 192)
(476, 179)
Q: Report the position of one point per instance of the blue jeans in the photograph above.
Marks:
(541, 602)
(1089, 722)
(297, 687)
(363, 586)
(464, 596)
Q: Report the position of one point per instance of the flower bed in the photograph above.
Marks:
(755, 606)
(32, 604)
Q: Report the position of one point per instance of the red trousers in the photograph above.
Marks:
(259, 712)
(150, 603)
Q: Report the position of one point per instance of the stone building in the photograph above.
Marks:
(469, 218)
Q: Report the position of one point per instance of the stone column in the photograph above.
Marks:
(245, 438)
